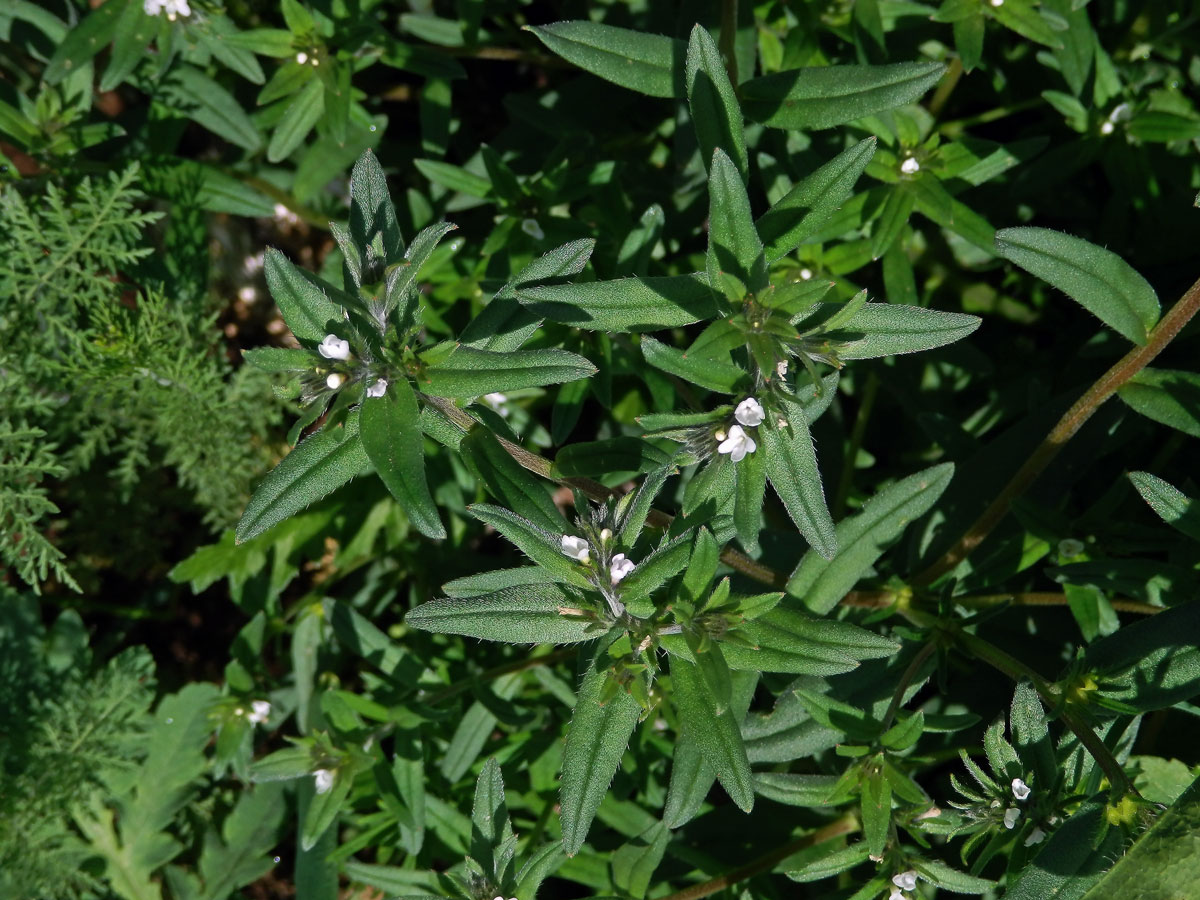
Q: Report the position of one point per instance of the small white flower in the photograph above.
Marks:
(533, 229)
(910, 166)
(172, 8)
(1020, 789)
(497, 402)
(1107, 127)
(301, 57)
(576, 548)
(781, 368)
(749, 412)
(896, 895)
(378, 389)
(906, 881)
(1010, 817)
(605, 535)
(997, 2)
(323, 779)
(806, 274)
(260, 711)
(335, 380)
(333, 347)
(620, 567)
(285, 216)
(1035, 837)
(247, 293)
(738, 444)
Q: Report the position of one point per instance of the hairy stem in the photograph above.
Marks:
(1073, 419)
(845, 825)
(1049, 598)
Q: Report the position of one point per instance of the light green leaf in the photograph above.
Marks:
(717, 733)
(530, 614)
(826, 96)
(596, 742)
(948, 879)
(319, 465)
(400, 291)
(734, 247)
(624, 304)
(1169, 396)
(885, 329)
(302, 298)
(711, 374)
(634, 862)
(812, 201)
(1172, 505)
(1099, 280)
(862, 538)
(824, 861)
(372, 214)
(1164, 863)
(793, 473)
(209, 105)
(650, 573)
(876, 810)
(715, 112)
(392, 439)
(543, 547)
(795, 790)
(301, 115)
(469, 372)
(646, 63)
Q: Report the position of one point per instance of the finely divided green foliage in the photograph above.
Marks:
(1099, 280)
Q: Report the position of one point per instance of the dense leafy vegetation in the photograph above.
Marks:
(491, 449)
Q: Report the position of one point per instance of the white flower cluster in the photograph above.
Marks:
(737, 443)
(578, 549)
(1021, 792)
(173, 8)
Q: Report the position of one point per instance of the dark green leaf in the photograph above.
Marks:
(468, 372)
(715, 112)
(626, 304)
(301, 297)
(646, 63)
(734, 247)
(793, 473)
(301, 115)
(1172, 505)
(530, 614)
(1169, 396)
(717, 733)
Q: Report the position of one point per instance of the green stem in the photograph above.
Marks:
(946, 87)
(906, 679)
(1073, 419)
(1048, 598)
(728, 43)
(846, 825)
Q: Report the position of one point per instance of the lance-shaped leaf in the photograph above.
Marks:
(491, 829)
(596, 741)
(400, 292)
(624, 304)
(392, 438)
(302, 298)
(718, 733)
(886, 329)
(323, 809)
(634, 507)
(651, 572)
(468, 372)
(496, 580)
(711, 374)
(795, 790)
(1152, 663)
(749, 494)
(538, 866)
(826, 96)
(1172, 505)
(862, 538)
(318, 466)
(716, 115)
(543, 547)
(1169, 396)
(1072, 860)
(812, 201)
(372, 213)
(504, 323)
(793, 473)
(1163, 863)
(509, 482)
(623, 454)
(529, 614)
(734, 247)
(302, 114)
(646, 63)
(1099, 280)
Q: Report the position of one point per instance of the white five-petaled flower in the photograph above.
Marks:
(378, 389)
(576, 548)
(172, 8)
(749, 412)
(260, 711)
(333, 347)
(910, 166)
(1020, 789)
(323, 779)
(1035, 837)
(906, 881)
(619, 567)
(335, 380)
(1010, 817)
(737, 444)
(533, 229)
